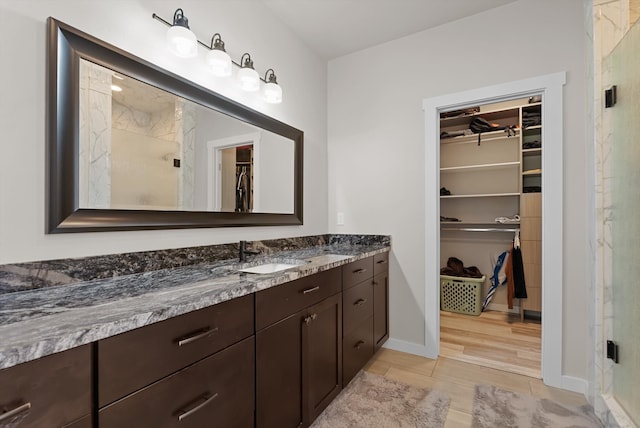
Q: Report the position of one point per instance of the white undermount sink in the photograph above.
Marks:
(268, 268)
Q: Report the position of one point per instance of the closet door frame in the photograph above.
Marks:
(550, 86)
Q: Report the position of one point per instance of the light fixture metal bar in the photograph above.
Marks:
(168, 24)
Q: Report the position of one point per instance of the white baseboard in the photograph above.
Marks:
(408, 347)
(575, 384)
(618, 414)
(501, 307)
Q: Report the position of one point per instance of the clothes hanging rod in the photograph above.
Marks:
(480, 229)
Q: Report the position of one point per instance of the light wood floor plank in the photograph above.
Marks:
(493, 339)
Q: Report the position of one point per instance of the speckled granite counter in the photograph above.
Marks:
(41, 321)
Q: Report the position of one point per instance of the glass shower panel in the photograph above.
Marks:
(624, 67)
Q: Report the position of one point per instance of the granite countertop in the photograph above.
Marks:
(40, 322)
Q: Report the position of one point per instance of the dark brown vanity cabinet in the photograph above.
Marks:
(380, 299)
(192, 368)
(365, 311)
(298, 350)
(53, 391)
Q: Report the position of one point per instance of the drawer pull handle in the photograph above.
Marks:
(359, 271)
(381, 262)
(200, 334)
(310, 318)
(15, 412)
(359, 344)
(360, 302)
(310, 290)
(206, 400)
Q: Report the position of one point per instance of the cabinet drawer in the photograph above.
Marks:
(357, 305)
(217, 391)
(357, 349)
(356, 272)
(283, 300)
(135, 359)
(48, 392)
(380, 263)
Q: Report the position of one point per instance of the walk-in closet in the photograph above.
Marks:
(490, 234)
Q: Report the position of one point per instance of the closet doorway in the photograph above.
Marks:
(490, 234)
(232, 171)
(549, 88)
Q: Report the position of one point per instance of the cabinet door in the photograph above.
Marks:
(279, 374)
(321, 356)
(48, 392)
(380, 309)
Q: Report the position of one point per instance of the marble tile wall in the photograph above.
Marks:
(186, 123)
(95, 129)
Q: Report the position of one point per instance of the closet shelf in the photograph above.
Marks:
(511, 229)
(531, 152)
(487, 166)
(485, 137)
(532, 172)
(532, 128)
(446, 224)
(483, 195)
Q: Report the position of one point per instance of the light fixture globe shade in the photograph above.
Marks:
(248, 79)
(272, 93)
(219, 62)
(182, 42)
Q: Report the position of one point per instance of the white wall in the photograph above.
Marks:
(376, 140)
(245, 27)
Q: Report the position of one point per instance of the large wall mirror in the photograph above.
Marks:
(132, 146)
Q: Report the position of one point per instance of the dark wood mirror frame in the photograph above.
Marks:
(66, 46)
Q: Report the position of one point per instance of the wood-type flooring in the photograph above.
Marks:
(493, 339)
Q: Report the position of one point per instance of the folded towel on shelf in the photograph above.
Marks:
(503, 220)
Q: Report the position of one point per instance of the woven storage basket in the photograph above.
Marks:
(460, 294)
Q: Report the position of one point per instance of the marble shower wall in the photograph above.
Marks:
(610, 23)
(95, 129)
(162, 128)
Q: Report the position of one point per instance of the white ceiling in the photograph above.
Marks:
(333, 28)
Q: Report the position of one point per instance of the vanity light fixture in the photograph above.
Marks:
(248, 77)
(183, 43)
(272, 92)
(181, 40)
(218, 59)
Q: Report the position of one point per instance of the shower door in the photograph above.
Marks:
(622, 68)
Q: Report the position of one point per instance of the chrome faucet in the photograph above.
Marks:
(242, 255)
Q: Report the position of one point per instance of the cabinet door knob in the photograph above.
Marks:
(359, 344)
(360, 302)
(205, 399)
(200, 334)
(310, 318)
(15, 412)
